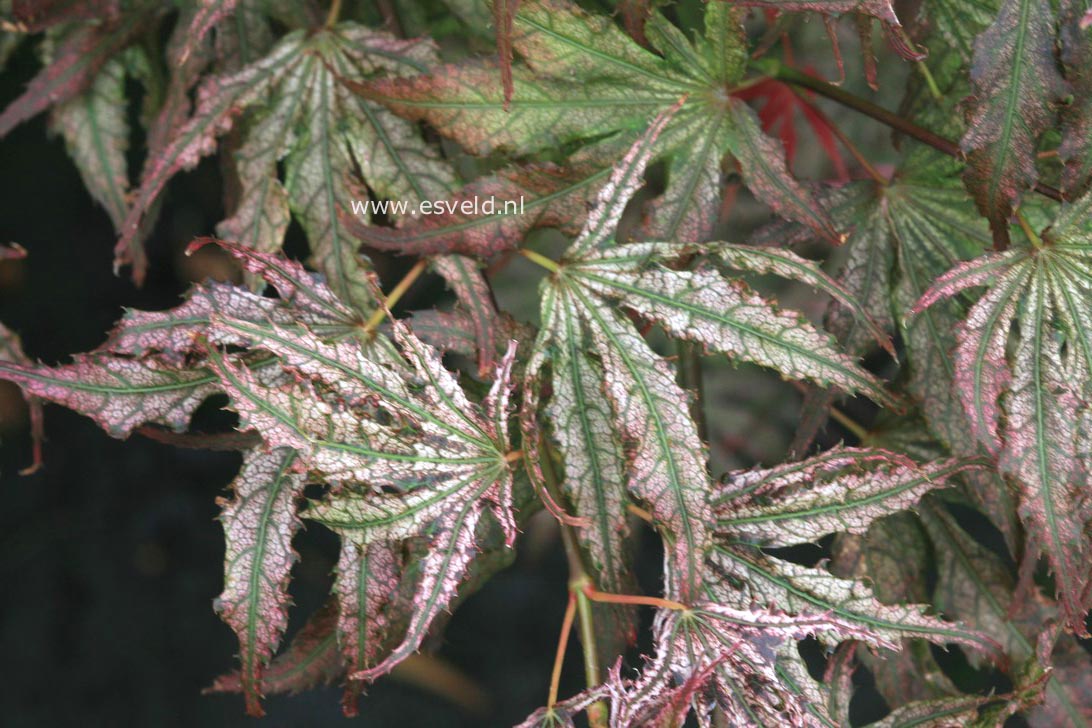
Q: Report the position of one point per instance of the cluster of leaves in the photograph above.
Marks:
(427, 472)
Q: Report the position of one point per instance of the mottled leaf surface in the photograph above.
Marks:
(330, 142)
(1016, 83)
(259, 523)
(666, 469)
(1026, 375)
(584, 79)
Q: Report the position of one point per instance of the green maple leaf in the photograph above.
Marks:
(960, 22)
(583, 80)
(903, 234)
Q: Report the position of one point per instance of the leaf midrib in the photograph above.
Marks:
(864, 384)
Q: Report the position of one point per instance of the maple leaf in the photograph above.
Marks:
(311, 659)
(561, 713)
(152, 368)
(258, 527)
(770, 508)
(81, 52)
(953, 711)
(96, 133)
(1016, 82)
(583, 79)
(412, 458)
(843, 490)
(881, 9)
(207, 14)
(1075, 150)
(960, 22)
(301, 116)
(303, 299)
(416, 473)
(548, 195)
(927, 222)
(975, 585)
(473, 293)
(778, 116)
(34, 16)
(433, 472)
(455, 332)
(664, 458)
(367, 589)
(87, 64)
(1029, 409)
(118, 393)
(713, 655)
(739, 642)
(902, 235)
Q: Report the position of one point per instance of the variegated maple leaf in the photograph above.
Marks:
(641, 438)
(1024, 377)
(1016, 85)
(584, 81)
(1028, 406)
(258, 527)
(411, 458)
(332, 144)
(976, 586)
(734, 650)
(410, 455)
(713, 656)
(903, 234)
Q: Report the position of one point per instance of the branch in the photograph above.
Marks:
(882, 115)
(579, 582)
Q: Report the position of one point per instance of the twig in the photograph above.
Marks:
(334, 14)
(689, 376)
(923, 69)
(639, 512)
(856, 428)
(395, 295)
(562, 645)
(849, 423)
(607, 598)
(540, 259)
(845, 140)
(390, 18)
(578, 581)
(1036, 241)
